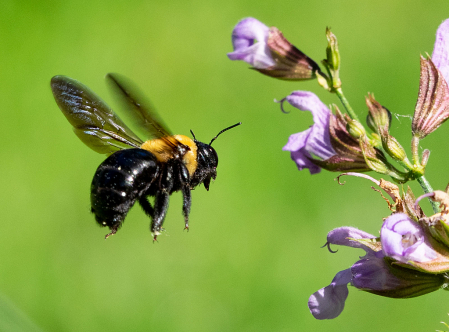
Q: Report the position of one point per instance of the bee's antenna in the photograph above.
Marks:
(194, 138)
(221, 132)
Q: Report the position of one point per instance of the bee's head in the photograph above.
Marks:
(207, 160)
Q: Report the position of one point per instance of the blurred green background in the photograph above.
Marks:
(252, 257)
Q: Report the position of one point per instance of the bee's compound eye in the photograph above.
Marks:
(214, 157)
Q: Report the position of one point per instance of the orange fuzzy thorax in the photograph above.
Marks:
(162, 150)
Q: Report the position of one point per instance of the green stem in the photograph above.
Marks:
(345, 103)
(425, 185)
(406, 164)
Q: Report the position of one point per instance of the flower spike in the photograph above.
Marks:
(411, 256)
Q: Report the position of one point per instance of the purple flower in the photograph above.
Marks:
(373, 273)
(329, 302)
(440, 55)
(314, 141)
(404, 240)
(348, 236)
(269, 52)
(256, 54)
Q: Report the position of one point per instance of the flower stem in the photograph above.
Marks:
(427, 188)
(345, 103)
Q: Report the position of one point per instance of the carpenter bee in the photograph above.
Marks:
(134, 169)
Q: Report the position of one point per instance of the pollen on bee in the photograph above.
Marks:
(104, 223)
(123, 194)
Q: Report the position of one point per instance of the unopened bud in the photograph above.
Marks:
(322, 80)
(332, 61)
(378, 116)
(425, 157)
(333, 55)
(375, 140)
(374, 157)
(377, 161)
(393, 148)
(355, 128)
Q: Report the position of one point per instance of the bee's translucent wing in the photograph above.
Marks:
(93, 121)
(141, 111)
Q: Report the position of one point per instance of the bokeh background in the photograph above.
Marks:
(252, 257)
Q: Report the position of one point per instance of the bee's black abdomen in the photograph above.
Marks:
(118, 182)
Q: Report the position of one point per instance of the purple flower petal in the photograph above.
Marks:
(329, 302)
(440, 55)
(315, 140)
(243, 36)
(404, 240)
(296, 144)
(372, 273)
(342, 236)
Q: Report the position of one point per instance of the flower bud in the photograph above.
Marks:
(332, 61)
(333, 55)
(432, 106)
(374, 158)
(425, 157)
(393, 148)
(322, 80)
(355, 128)
(378, 116)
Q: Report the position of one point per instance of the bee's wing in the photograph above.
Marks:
(94, 122)
(140, 110)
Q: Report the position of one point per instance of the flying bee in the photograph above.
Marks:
(134, 169)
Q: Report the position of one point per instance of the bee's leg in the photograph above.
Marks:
(166, 179)
(186, 203)
(160, 210)
(146, 206)
(184, 179)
